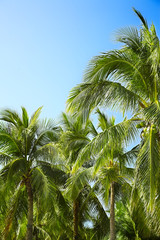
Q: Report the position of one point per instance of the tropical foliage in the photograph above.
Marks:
(80, 180)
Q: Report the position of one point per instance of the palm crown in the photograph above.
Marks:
(128, 79)
(26, 144)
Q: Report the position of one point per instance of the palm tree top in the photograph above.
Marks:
(126, 79)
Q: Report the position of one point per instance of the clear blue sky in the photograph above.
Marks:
(46, 45)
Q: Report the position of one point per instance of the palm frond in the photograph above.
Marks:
(18, 207)
(67, 122)
(77, 182)
(40, 182)
(152, 113)
(103, 120)
(25, 117)
(147, 166)
(56, 173)
(44, 233)
(141, 18)
(130, 37)
(11, 116)
(35, 117)
(87, 96)
(10, 142)
(15, 167)
(125, 131)
(92, 129)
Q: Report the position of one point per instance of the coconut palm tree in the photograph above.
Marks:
(74, 138)
(128, 79)
(125, 225)
(26, 145)
(110, 163)
(125, 78)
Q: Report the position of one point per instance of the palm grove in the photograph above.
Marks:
(79, 181)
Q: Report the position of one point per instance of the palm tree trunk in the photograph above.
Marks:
(112, 214)
(29, 234)
(75, 219)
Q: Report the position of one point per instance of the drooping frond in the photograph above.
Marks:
(15, 167)
(17, 208)
(147, 166)
(44, 233)
(56, 172)
(125, 130)
(103, 121)
(140, 215)
(11, 117)
(10, 142)
(135, 67)
(40, 182)
(152, 113)
(92, 129)
(87, 96)
(130, 156)
(67, 122)
(77, 182)
(95, 212)
(131, 38)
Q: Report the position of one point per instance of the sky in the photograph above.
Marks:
(45, 46)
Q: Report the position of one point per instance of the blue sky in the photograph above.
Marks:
(45, 46)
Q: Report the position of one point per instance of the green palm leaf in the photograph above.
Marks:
(77, 182)
(147, 166)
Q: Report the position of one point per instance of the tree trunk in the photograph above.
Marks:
(75, 219)
(112, 214)
(29, 234)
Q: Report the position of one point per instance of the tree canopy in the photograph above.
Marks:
(79, 179)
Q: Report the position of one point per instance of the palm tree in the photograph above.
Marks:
(74, 138)
(110, 163)
(125, 225)
(26, 145)
(125, 78)
(128, 79)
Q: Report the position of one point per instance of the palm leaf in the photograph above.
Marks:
(34, 118)
(141, 18)
(77, 182)
(25, 117)
(147, 167)
(125, 130)
(40, 182)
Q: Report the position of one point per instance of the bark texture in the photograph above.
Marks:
(29, 234)
(75, 219)
(112, 214)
